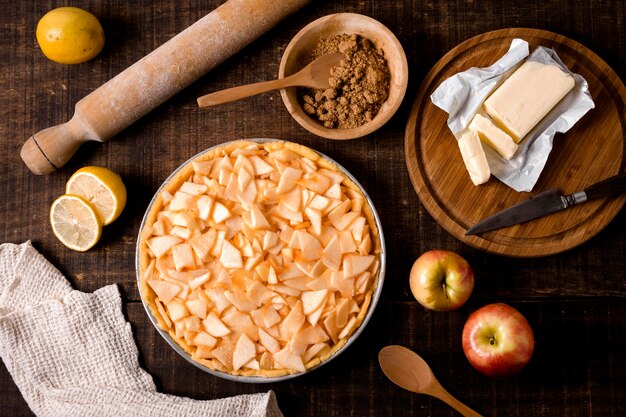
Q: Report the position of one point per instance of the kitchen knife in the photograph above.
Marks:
(549, 202)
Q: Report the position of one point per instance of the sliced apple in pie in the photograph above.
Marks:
(259, 258)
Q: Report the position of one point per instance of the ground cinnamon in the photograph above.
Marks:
(359, 86)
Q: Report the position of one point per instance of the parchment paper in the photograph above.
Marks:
(462, 95)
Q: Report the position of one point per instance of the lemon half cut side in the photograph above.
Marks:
(101, 187)
(75, 222)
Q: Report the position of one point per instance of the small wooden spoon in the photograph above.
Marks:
(408, 370)
(314, 75)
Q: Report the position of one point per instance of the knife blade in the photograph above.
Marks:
(548, 202)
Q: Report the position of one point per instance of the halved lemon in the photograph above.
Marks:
(75, 222)
(101, 187)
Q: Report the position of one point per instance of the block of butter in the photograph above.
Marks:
(527, 96)
(493, 136)
(474, 157)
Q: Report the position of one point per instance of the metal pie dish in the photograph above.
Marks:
(144, 289)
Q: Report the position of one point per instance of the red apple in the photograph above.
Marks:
(497, 340)
(441, 280)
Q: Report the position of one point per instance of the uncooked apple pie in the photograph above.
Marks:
(259, 258)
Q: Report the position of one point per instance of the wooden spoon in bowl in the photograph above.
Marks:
(408, 370)
(314, 75)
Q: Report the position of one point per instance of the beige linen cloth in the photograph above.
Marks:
(73, 354)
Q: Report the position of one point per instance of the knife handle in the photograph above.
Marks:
(611, 186)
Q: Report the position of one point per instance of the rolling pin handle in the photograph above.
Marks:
(48, 150)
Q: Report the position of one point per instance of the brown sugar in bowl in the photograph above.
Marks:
(297, 55)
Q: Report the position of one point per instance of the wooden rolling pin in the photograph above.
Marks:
(155, 78)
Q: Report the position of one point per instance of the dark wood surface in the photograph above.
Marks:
(575, 301)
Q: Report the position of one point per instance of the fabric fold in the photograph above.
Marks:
(73, 354)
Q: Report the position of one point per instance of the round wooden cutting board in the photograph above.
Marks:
(590, 152)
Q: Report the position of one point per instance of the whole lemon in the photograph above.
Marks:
(69, 35)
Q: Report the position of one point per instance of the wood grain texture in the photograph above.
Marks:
(575, 300)
(590, 152)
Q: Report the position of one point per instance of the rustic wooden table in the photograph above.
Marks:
(574, 301)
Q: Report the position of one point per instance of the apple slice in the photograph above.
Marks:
(312, 300)
(199, 281)
(317, 349)
(365, 246)
(311, 335)
(315, 182)
(166, 197)
(224, 353)
(242, 163)
(345, 285)
(244, 177)
(334, 192)
(257, 292)
(288, 214)
(285, 290)
(202, 167)
(288, 180)
(182, 201)
(192, 188)
(160, 245)
(214, 326)
(270, 343)
(245, 351)
(295, 319)
(291, 272)
(163, 313)
(286, 359)
(248, 195)
(258, 220)
(205, 339)
(300, 284)
(314, 316)
(158, 228)
(240, 301)
(292, 199)
(334, 176)
(346, 242)
(183, 256)
(266, 361)
(205, 206)
(343, 222)
(331, 255)
(319, 203)
(315, 217)
(166, 291)
(216, 250)
(296, 346)
(230, 256)
(362, 282)
(260, 166)
(177, 310)
(330, 324)
(181, 232)
(185, 219)
(270, 239)
(348, 328)
(311, 247)
(192, 323)
(269, 316)
(220, 212)
(356, 264)
(198, 307)
(283, 155)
